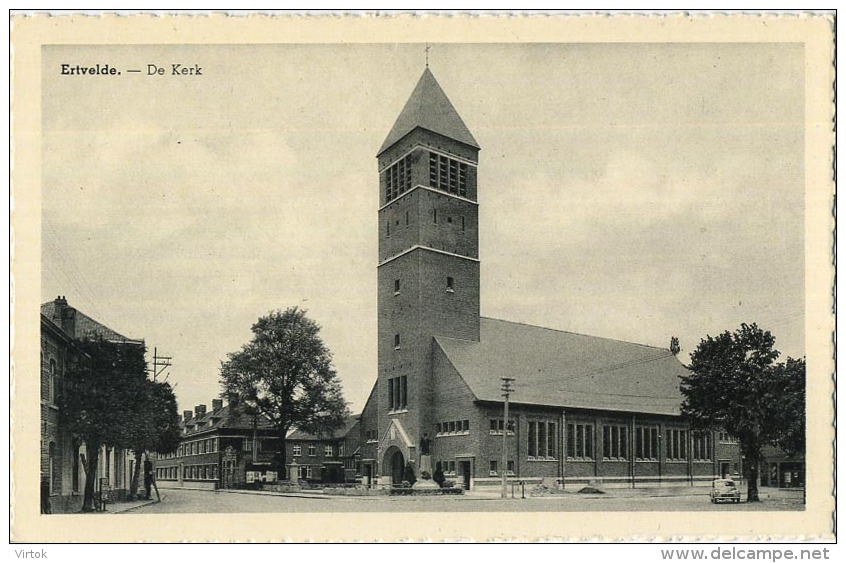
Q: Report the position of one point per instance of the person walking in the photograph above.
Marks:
(148, 476)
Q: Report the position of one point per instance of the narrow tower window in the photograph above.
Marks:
(396, 287)
(396, 341)
(450, 285)
(406, 218)
(435, 215)
(388, 228)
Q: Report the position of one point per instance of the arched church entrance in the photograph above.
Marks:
(395, 461)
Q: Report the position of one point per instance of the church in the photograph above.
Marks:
(583, 409)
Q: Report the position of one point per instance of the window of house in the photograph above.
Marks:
(327, 450)
(396, 341)
(466, 425)
(437, 428)
(580, 441)
(450, 286)
(341, 449)
(52, 382)
(396, 287)
(615, 442)
(248, 444)
(493, 469)
(312, 450)
(297, 449)
(676, 445)
(702, 446)
(646, 444)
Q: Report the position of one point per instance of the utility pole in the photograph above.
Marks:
(506, 391)
(160, 363)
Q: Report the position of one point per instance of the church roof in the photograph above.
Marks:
(564, 369)
(429, 108)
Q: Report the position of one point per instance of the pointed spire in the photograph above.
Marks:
(430, 109)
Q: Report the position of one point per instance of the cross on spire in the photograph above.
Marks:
(427, 55)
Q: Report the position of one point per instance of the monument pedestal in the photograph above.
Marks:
(425, 465)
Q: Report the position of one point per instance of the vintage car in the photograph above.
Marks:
(724, 489)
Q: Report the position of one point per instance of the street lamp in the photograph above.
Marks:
(506, 391)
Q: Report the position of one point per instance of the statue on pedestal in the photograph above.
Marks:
(425, 443)
(425, 465)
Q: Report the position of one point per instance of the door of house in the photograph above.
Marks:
(464, 466)
(725, 469)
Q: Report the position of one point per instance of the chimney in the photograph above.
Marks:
(65, 316)
(199, 410)
(187, 415)
(217, 404)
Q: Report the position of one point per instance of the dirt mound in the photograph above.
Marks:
(590, 491)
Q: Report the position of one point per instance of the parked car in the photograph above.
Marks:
(724, 489)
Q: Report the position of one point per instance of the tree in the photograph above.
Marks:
(736, 385)
(154, 425)
(789, 381)
(285, 375)
(98, 401)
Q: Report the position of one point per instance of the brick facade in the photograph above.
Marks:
(438, 376)
(326, 459)
(220, 448)
(62, 474)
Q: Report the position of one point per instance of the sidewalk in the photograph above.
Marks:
(111, 508)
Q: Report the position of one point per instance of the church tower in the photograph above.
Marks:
(428, 268)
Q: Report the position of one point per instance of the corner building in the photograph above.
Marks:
(584, 408)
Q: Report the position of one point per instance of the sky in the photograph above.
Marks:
(631, 191)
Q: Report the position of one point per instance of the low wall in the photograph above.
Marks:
(199, 485)
(576, 483)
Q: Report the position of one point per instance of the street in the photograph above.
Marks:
(191, 501)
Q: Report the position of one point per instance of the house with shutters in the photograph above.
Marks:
(584, 408)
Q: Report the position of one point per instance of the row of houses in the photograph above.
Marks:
(223, 447)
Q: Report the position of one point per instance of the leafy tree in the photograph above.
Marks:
(154, 424)
(789, 381)
(736, 385)
(285, 375)
(97, 403)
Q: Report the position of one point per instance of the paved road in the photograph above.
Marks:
(187, 501)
